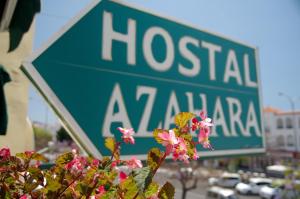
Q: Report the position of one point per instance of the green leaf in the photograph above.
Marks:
(109, 194)
(34, 170)
(167, 191)
(110, 144)
(39, 157)
(142, 178)
(106, 164)
(21, 155)
(129, 188)
(154, 157)
(187, 136)
(151, 190)
(155, 134)
(63, 159)
(30, 185)
(9, 180)
(83, 188)
(182, 119)
(53, 185)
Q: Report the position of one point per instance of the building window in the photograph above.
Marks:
(280, 141)
(279, 123)
(290, 140)
(289, 123)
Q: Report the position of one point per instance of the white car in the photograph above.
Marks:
(254, 186)
(270, 192)
(229, 180)
(220, 193)
(213, 181)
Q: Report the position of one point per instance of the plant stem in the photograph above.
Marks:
(159, 164)
(94, 186)
(59, 194)
(115, 150)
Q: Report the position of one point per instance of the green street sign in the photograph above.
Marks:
(116, 65)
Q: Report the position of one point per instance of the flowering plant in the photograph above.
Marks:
(75, 176)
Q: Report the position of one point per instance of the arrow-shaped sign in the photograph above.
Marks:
(116, 65)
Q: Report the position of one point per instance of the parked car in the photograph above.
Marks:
(229, 180)
(270, 191)
(213, 181)
(280, 189)
(220, 193)
(277, 171)
(254, 186)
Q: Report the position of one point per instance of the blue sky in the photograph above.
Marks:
(271, 25)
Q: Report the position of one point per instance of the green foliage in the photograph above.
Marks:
(167, 191)
(75, 176)
(154, 158)
(63, 159)
(155, 135)
(142, 177)
(129, 188)
(151, 190)
(182, 119)
(110, 144)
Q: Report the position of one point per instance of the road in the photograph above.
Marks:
(198, 193)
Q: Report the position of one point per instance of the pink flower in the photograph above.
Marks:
(169, 140)
(134, 163)
(37, 164)
(24, 197)
(206, 122)
(203, 134)
(115, 163)
(95, 163)
(29, 153)
(195, 155)
(4, 152)
(181, 146)
(122, 176)
(127, 135)
(75, 152)
(203, 139)
(195, 124)
(202, 115)
(181, 156)
(207, 145)
(180, 151)
(76, 165)
(100, 192)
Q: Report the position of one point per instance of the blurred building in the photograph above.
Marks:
(282, 133)
(16, 37)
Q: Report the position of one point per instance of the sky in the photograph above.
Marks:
(273, 26)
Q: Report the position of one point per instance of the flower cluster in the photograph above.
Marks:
(204, 129)
(178, 141)
(76, 176)
(4, 153)
(127, 135)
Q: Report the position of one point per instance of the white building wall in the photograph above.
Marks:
(284, 138)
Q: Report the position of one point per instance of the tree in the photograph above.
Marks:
(63, 135)
(188, 177)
